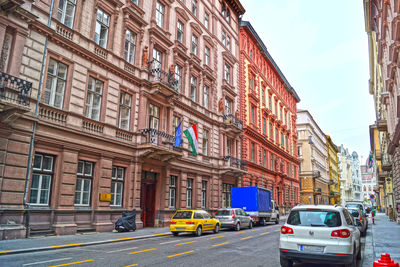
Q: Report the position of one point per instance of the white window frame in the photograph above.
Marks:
(117, 178)
(130, 46)
(195, 43)
(179, 31)
(91, 95)
(160, 10)
(178, 76)
(203, 194)
(84, 178)
(39, 172)
(194, 7)
(125, 105)
(66, 10)
(54, 80)
(207, 53)
(172, 191)
(102, 27)
(193, 88)
(205, 142)
(227, 73)
(189, 193)
(206, 20)
(206, 96)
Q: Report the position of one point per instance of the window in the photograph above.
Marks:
(251, 83)
(295, 170)
(280, 113)
(251, 54)
(194, 44)
(207, 56)
(136, 2)
(41, 179)
(276, 109)
(207, 20)
(179, 33)
(252, 151)
(154, 122)
(229, 143)
(271, 131)
(276, 135)
(194, 7)
(282, 140)
(206, 96)
(265, 158)
(271, 166)
(83, 183)
(228, 42)
(226, 195)
(172, 191)
(66, 12)
(175, 122)
(253, 115)
(178, 76)
(93, 98)
(130, 47)
(205, 142)
(189, 193)
(287, 144)
(203, 194)
(55, 84)
(270, 103)
(193, 88)
(157, 59)
(228, 15)
(125, 110)
(160, 9)
(228, 105)
(117, 186)
(227, 72)
(101, 31)
(263, 96)
(223, 38)
(316, 217)
(223, 10)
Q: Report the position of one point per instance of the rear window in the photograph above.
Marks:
(357, 206)
(314, 218)
(354, 213)
(223, 213)
(183, 215)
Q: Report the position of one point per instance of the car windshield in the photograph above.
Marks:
(183, 215)
(357, 206)
(354, 213)
(223, 213)
(314, 218)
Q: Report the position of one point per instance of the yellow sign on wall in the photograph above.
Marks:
(389, 186)
(105, 197)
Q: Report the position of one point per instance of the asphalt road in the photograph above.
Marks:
(255, 247)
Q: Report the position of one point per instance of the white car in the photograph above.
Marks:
(319, 234)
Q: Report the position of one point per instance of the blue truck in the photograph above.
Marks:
(257, 202)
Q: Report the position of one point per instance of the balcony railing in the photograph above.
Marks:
(156, 74)
(15, 89)
(160, 139)
(386, 162)
(229, 119)
(235, 163)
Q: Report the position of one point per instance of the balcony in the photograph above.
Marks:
(15, 95)
(157, 145)
(234, 124)
(386, 162)
(233, 166)
(162, 82)
(382, 125)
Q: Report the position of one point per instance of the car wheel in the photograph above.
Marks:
(286, 262)
(237, 227)
(250, 224)
(175, 233)
(198, 231)
(277, 220)
(216, 229)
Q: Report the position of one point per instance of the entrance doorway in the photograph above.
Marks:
(147, 199)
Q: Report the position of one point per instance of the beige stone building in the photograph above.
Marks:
(90, 113)
(334, 182)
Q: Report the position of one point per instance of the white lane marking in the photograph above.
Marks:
(121, 250)
(174, 241)
(39, 262)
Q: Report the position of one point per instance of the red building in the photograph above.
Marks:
(268, 111)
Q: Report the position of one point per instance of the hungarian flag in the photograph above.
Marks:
(191, 135)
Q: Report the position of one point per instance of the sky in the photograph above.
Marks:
(322, 49)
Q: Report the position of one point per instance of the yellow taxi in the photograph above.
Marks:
(195, 221)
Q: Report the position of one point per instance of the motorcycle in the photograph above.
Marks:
(127, 222)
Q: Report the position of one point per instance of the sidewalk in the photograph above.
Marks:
(382, 237)
(86, 239)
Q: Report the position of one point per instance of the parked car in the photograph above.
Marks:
(195, 221)
(319, 234)
(233, 218)
(357, 215)
(359, 205)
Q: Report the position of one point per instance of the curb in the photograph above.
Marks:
(27, 250)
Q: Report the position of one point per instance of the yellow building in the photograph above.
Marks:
(334, 182)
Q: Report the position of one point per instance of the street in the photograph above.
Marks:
(257, 246)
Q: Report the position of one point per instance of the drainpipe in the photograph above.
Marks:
(31, 144)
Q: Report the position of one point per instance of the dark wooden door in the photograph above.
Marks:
(148, 203)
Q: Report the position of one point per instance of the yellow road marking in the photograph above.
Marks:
(238, 233)
(170, 256)
(256, 229)
(186, 243)
(217, 236)
(150, 249)
(268, 227)
(65, 264)
(126, 238)
(68, 245)
(246, 237)
(277, 230)
(5, 251)
(162, 234)
(130, 265)
(266, 233)
(220, 244)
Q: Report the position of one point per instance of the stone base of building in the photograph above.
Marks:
(65, 229)
(8, 232)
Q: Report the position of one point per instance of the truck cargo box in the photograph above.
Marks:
(251, 198)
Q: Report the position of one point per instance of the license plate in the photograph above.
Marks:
(180, 229)
(311, 248)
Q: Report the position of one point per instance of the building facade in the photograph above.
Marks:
(313, 153)
(345, 175)
(369, 185)
(356, 176)
(268, 110)
(90, 133)
(381, 25)
(334, 182)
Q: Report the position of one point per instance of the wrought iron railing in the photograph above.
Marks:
(235, 162)
(386, 159)
(15, 89)
(229, 119)
(156, 74)
(160, 139)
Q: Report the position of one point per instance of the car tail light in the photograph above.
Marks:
(286, 230)
(189, 222)
(233, 214)
(342, 233)
(361, 219)
(173, 222)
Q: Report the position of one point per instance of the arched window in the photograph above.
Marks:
(223, 11)
(251, 54)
